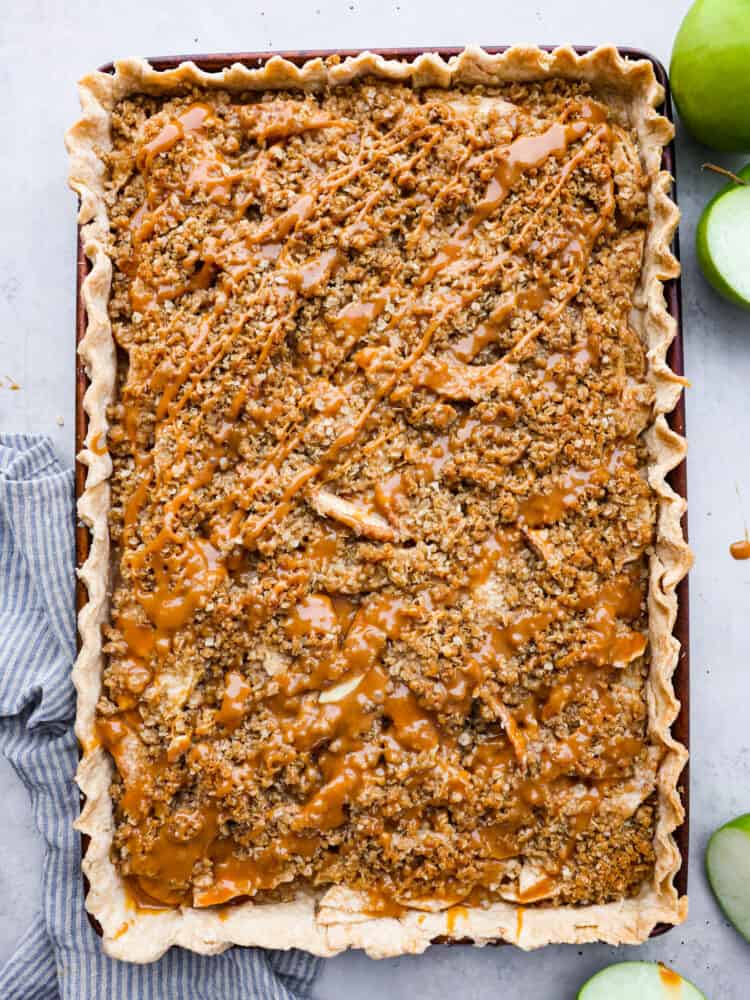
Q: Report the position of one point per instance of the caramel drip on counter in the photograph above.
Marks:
(740, 550)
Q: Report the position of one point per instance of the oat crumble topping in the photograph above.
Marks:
(379, 512)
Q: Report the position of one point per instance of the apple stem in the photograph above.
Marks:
(724, 172)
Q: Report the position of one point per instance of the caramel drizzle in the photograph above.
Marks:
(194, 568)
(671, 981)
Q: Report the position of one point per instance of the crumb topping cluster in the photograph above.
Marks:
(379, 512)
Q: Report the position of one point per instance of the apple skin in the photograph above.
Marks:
(713, 276)
(740, 823)
(710, 73)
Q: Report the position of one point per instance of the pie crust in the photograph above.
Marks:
(339, 920)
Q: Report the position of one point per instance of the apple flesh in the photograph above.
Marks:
(728, 869)
(638, 981)
(710, 73)
(722, 240)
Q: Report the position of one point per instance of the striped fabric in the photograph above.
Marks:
(60, 955)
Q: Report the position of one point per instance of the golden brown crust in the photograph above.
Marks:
(338, 921)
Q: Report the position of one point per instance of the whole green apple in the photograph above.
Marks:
(710, 73)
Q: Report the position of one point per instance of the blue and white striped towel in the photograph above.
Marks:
(60, 955)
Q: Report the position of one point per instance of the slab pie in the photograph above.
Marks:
(378, 642)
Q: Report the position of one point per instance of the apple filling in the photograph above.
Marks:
(379, 513)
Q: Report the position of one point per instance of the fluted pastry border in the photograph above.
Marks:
(328, 924)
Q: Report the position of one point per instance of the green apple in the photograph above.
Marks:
(728, 869)
(638, 981)
(710, 73)
(722, 240)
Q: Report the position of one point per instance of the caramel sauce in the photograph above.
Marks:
(453, 915)
(119, 735)
(345, 721)
(137, 898)
(391, 496)
(539, 890)
(170, 860)
(345, 704)
(573, 486)
(98, 444)
(378, 904)
(274, 120)
(355, 318)
(442, 375)
(467, 348)
(522, 155)
(183, 583)
(740, 550)
(670, 980)
(501, 643)
(618, 600)
(548, 508)
(234, 703)
(315, 272)
(498, 840)
(235, 876)
(453, 379)
(314, 614)
(200, 280)
(139, 638)
(195, 117)
(135, 503)
(491, 757)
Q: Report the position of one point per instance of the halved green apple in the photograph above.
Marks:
(638, 981)
(728, 868)
(723, 238)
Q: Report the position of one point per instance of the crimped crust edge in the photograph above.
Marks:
(328, 925)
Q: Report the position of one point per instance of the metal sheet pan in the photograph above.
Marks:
(675, 357)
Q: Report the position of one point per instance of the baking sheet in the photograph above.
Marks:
(675, 358)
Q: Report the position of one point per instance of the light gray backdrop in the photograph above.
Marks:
(45, 45)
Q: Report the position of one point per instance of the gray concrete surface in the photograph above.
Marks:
(44, 46)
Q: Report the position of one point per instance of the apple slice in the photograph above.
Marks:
(638, 981)
(728, 868)
(722, 239)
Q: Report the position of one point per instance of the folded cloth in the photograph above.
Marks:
(60, 955)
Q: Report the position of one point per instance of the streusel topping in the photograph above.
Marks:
(379, 510)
